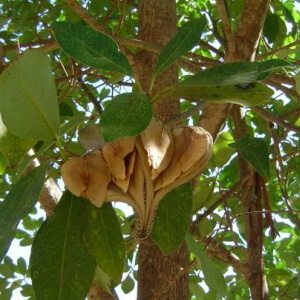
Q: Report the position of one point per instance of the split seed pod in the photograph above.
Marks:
(158, 142)
(74, 174)
(98, 178)
(192, 149)
(114, 154)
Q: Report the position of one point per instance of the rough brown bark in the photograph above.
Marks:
(241, 46)
(157, 274)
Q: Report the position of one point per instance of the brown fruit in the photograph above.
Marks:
(75, 176)
(158, 142)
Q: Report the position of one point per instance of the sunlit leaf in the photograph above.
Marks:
(28, 101)
(256, 152)
(18, 203)
(212, 275)
(172, 219)
(126, 115)
(60, 265)
(103, 238)
(254, 94)
(236, 73)
(91, 47)
(186, 38)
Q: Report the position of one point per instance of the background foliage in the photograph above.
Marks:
(84, 84)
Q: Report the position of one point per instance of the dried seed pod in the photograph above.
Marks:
(114, 154)
(158, 142)
(75, 176)
(191, 144)
(129, 167)
(137, 180)
(98, 178)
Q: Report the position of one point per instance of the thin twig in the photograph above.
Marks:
(223, 11)
(275, 119)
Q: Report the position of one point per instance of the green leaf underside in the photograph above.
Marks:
(18, 204)
(126, 115)
(186, 38)
(172, 219)
(256, 152)
(13, 147)
(91, 47)
(212, 275)
(235, 73)
(61, 267)
(103, 238)
(255, 94)
(28, 100)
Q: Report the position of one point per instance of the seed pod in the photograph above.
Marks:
(114, 154)
(98, 178)
(191, 145)
(129, 167)
(75, 176)
(158, 142)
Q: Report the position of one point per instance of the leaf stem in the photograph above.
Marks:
(60, 147)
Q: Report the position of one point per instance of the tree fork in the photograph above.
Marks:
(157, 24)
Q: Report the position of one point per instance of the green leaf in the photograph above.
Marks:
(235, 73)
(271, 27)
(255, 94)
(256, 152)
(172, 219)
(28, 102)
(3, 163)
(212, 275)
(60, 265)
(186, 38)
(128, 285)
(126, 115)
(91, 47)
(103, 238)
(12, 146)
(18, 203)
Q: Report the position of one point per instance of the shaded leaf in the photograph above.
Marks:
(18, 203)
(271, 27)
(185, 39)
(91, 47)
(3, 163)
(28, 100)
(12, 146)
(60, 265)
(256, 152)
(212, 275)
(255, 94)
(103, 238)
(172, 219)
(126, 115)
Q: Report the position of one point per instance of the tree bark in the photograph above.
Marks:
(157, 274)
(242, 46)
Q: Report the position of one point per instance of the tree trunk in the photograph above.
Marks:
(157, 274)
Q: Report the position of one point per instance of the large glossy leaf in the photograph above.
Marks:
(91, 47)
(103, 238)
(235, 73)
(212, 275)
(256, 152)
(126, 115)
(254, 94)
(60, 265)
(13, 147)
(18, 203)
(172, 219)
(28, 100)
(186, 38)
